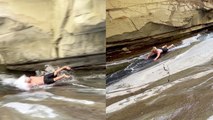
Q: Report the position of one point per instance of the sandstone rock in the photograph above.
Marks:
(126, 50)
(88, 62)
(30, 44)
(8, 25)
(37, 30)
(127, 17)
(82, 44)
(87, 16)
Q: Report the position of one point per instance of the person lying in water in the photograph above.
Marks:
(47, 79)
(159, 51)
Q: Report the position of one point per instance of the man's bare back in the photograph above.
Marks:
(33, 80)
(158, 52)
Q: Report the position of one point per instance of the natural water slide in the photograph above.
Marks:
(64, 100)
(167, 89)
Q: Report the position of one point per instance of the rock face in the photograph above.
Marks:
(35, 30)
(128, 20)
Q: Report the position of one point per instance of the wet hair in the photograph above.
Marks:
(154, 48)
(27, 80)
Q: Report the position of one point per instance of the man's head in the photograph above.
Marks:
(27, 80)
(154, 49)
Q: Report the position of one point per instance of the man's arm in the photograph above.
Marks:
(158, 55)
(60, 77)
(149, 55)
(60, 69)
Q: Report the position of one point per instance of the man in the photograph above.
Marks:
(158, 52)
(47, 79)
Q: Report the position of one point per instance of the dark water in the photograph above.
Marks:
(135, 66)
(82, 98)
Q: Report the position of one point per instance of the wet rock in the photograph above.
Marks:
(197, 55)
(81, 62)
(126, 50)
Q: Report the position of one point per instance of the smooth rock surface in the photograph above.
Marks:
(35, 30)
(197, 55)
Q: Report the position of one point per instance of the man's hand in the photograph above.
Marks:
(67, 67)
(155, 59)
(66, 76)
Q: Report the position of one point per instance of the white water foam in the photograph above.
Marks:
(187, 42)
(87, 102)
(34, 110)
(210, 118)
(79, 85)
(93, 90)
(42, 95)
(18, 83)
(122, 61)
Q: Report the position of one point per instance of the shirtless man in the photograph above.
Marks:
(159, 51)
(47, 79)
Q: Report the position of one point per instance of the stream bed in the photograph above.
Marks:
(176, 87)
(82, 98)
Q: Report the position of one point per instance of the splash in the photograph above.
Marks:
(22, 85)
(14, 82)
(42, 95)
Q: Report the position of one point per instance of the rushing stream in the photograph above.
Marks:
(82, 98)
(176, 87)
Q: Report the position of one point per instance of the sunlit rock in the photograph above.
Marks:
(35, 30)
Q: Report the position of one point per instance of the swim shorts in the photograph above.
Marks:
(165, 50)
(48, 79)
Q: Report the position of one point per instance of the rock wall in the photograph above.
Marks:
(35, 30)
(128, 20)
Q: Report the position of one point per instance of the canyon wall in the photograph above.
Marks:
(37, 30)
(135, 21)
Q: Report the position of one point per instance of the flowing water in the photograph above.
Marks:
(82, 98)
(176, 87)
